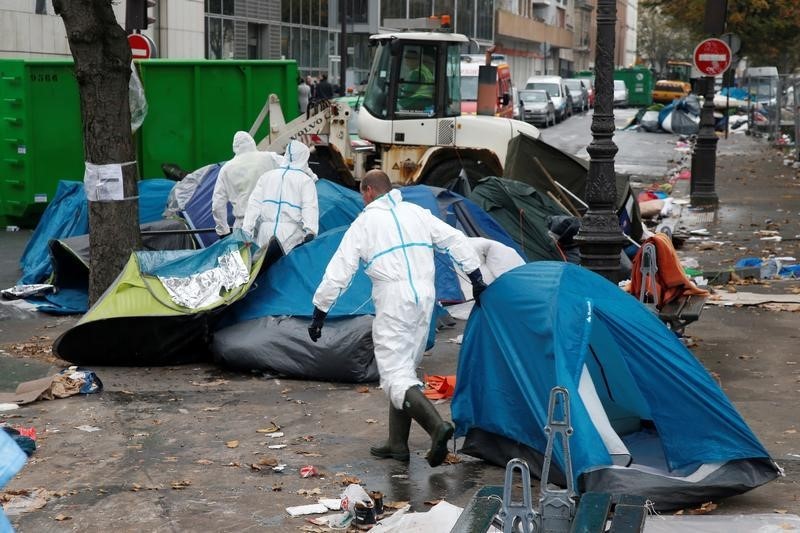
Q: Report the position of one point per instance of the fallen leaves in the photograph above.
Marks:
(268, 461)
(432, 502)
(204, 462)
(232, 444)
(272, 428)
(371, 421)
(703, 509)
(347, 479)
(180, 485)
(362, 390)
(310, 492)
(61, 517)
(451, 459)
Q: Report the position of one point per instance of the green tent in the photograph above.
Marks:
(522, 211)
(162, 307)
(569, 171)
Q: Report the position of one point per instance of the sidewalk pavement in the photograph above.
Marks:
(164, 457)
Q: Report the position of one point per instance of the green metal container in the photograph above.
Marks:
(195, 107)
(639, 82)
(40, 135)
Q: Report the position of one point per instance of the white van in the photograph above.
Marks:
(555, 87)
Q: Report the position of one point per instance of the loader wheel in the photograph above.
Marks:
(445, 174)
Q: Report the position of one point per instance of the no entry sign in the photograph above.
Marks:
(712, 57)
(142, 47)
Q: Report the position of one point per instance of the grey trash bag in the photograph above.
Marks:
(280, 345)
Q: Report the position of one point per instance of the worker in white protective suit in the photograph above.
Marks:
(496, 259)
(236, 181)
(284, 202)
(396, 240)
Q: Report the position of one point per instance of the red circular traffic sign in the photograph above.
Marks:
(142, 47)
(712, 57)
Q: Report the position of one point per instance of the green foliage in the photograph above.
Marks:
(769, 29)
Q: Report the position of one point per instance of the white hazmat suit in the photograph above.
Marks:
(396, 240)
(237, 178)
(284, 202)
(496, 259)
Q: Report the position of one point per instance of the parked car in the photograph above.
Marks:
(589, 82)
(554, 85)
(666, 91)
(620, 93)
(580, 94)
(537, 107)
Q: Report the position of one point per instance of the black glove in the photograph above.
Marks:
(308, 238)
(478, 286)
(317, 321)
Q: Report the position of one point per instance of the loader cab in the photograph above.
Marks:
(415, 75)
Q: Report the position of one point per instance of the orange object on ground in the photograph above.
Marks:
(439, 387)
(671, 281)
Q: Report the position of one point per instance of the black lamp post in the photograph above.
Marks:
(600, 236)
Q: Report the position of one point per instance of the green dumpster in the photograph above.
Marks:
(639, 82)
(195, 106)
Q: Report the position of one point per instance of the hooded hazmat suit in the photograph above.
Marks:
(284, 203)
(396, 240)
(237, 178)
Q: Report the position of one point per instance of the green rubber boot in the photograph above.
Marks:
(426, 415)
(396, 447)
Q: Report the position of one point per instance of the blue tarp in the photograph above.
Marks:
(536, 328)
(288, 287)
(68, 216)
(197, 210)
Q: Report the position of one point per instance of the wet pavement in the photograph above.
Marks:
(164, 457)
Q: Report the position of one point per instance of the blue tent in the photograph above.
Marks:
(464, 215)
(68, 215)
(197, 211)
(646, 414)
(288, 286)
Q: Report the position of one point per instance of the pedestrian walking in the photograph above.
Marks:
(236, 180)
(324, 89)
(396, 239)
(283, 203)
(303, 95)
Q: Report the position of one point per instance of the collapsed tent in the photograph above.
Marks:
(252, 337)
(681, 116)
(522, 211)
(464, 215)
(68, 215)
(161, 308)
(648, 419)
(569, 171)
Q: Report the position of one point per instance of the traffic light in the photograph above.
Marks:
(137, 16)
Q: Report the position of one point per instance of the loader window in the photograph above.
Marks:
(416, 82)
(453, 80)
(378, 86)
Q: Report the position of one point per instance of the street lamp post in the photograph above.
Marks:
(600, 236)
(704, 159)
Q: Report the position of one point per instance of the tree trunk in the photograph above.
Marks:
(102, 57)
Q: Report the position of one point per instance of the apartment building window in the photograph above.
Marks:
(219, 38)
(393, 9)
(485, 20)
(220, 7)
(444, 7)
(561, 17)
(465, 17)
(419, 8)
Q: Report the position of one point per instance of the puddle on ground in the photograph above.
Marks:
(13, 371)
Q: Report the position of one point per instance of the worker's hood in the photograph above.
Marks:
(296, 155)
(387, 201)
(243, 143)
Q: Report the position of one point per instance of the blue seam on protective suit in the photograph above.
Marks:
(405, 254)
(395, 248)
(278, 202)
(447, 251)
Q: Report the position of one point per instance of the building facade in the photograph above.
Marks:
(31, 29)
(537, 36)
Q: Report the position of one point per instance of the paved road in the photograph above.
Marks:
(640, 153)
